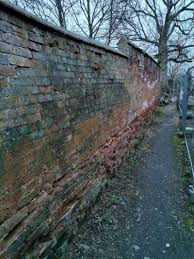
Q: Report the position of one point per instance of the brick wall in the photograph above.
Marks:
(70, 109)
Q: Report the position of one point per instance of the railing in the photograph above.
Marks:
(186, 107)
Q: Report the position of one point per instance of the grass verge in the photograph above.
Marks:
(184, 165)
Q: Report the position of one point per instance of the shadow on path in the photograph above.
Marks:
(141, 213)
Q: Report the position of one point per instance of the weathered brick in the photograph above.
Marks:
(40, 231)
(24, 200)
(15, 21)
(34, 46)
(9, 102)
(39, 55)
(1, 36)
(2, 232)
(43, 81)
(5, 48)
(3, 59)
(35, 37)
(19, 61)
(12, 222)
(43, 73)
(24, 81)
(14, 40)
(6, 81)
(5, 26)
(30, 191)
(7, 70)
(4, 15)
(19, 51)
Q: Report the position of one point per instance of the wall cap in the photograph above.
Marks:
(125, 41)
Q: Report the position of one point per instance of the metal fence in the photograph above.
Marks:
(186, 107)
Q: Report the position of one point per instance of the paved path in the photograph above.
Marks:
(147, 222)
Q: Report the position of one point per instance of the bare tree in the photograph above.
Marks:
(55, 11)
(164, 27)
(99, 19)
(175, 71)
(96, 19)
(90, 17)
(115, 15)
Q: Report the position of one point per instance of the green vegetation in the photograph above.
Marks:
(113, 199)
(179, 142)
(158, 116)
(107, 216)
(191, 208)
(183, 162)
(188, 222)
(182, 157)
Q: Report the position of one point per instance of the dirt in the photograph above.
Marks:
(142, 212)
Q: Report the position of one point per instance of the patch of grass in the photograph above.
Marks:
(184, 165)
(179, 132)
(178, 142)
(113, 199)
(105, 217)
(182, 157)
(191, 208)
(158, 116)
(188, 222)
(186, 179)
(132, 161)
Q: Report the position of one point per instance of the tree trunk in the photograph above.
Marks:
(110, 24)
(90, 26)
(163, 61)
(163, 77)
(61, 14)
(16, 2)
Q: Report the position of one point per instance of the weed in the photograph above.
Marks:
(113, 199)
(192, 209)
(188, 222)
(145, 147)
(106, 217)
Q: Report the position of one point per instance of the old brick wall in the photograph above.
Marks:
(70, 109)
